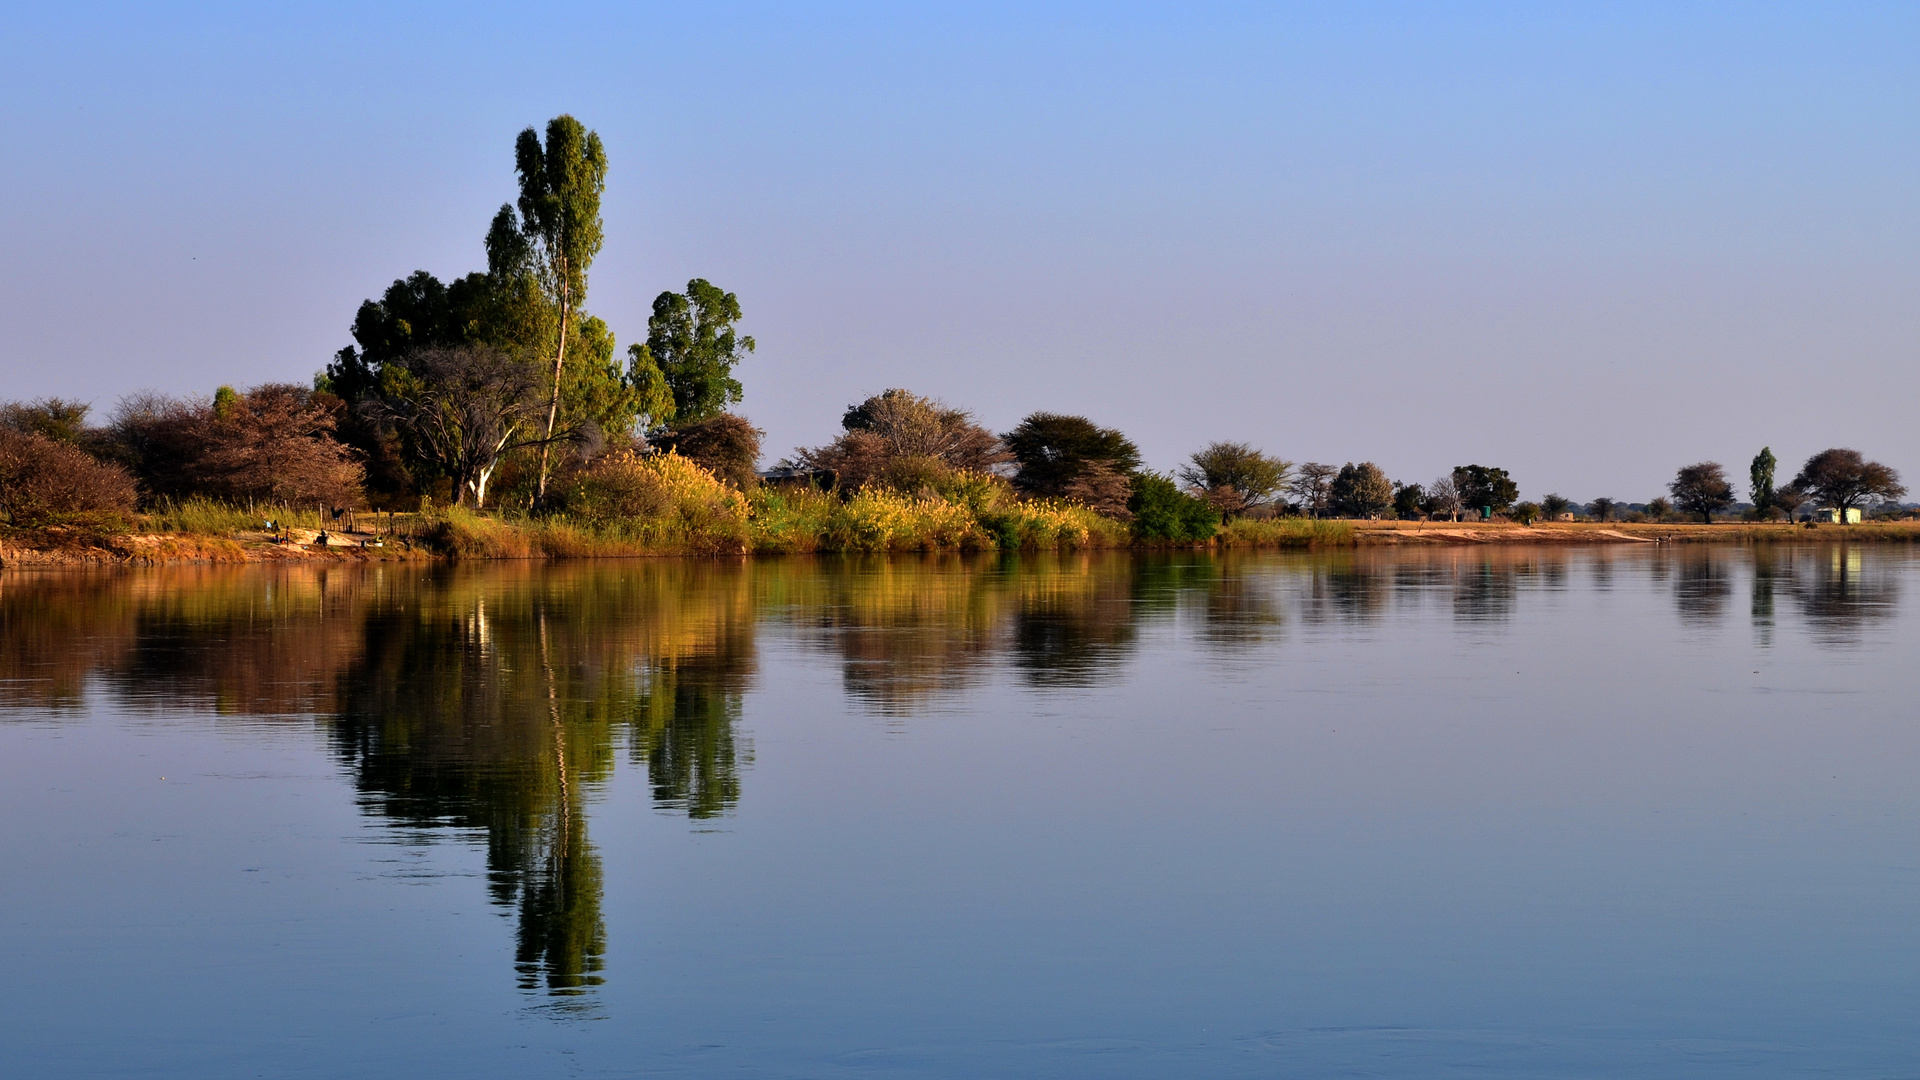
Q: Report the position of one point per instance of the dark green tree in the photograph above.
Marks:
(1553, 505)
(1526, 513)
(1161, 511)
(1843, 479)
(1484, 487)
(1603, 509)
(1361, 491)
(1055, 452)
(1702, 488)
(1760, 476)
(1409, 501)
(560, 187)
(692, 342)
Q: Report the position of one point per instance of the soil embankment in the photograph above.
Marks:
(54, 547)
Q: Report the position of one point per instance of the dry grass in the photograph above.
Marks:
(1287, 532)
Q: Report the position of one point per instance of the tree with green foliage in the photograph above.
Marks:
(560, 188)
(1553, 505)
(1161, 511)
(57, 419)
(1361, 491)
(1702, 488)
(1843, 479)
(462, 408)
(1055, 453)
(692, 343)
(1486, 488)
(1760, 480)
(1234, 477)
(1526, 513)
(1603, 509)
(1409, 501)
(1659, 509)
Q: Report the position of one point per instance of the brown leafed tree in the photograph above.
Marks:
(43, 481)
(725, 445)
(889, 428)
(275, 444)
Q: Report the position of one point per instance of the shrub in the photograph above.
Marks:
(665, 501)
(43, 482)
(876, 519)
(1041, 524)
(1161, 511)
(784, 520)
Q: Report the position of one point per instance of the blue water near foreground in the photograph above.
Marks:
(1470, 812)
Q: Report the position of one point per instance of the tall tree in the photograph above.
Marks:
(1701, 489)
(1843, 479)
(1409, 500)
(1760, 477)
(1603, 509)
(560, 187)
(1554, 504)
(692, 342)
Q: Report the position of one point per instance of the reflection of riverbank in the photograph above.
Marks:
(492, 703)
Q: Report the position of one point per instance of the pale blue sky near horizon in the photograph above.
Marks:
(1586, 242)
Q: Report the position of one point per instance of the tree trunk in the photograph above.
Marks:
(553, 406)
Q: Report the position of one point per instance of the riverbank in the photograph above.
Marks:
(458, 535)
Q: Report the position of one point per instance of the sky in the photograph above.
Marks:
(1588, 243)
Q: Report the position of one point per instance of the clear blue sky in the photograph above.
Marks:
(1589, 243)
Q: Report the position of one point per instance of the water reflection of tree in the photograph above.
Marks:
(1702, 583)
(1486, 588)
(1840, 592)
(487, 703)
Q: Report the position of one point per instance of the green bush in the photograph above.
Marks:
(1161, 511)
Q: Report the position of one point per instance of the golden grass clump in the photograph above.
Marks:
(879, 520)
(664, 502)
(1052, 523)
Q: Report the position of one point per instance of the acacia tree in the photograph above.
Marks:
(1844, 479)
(462, 408)
(1553, 505)
(1603, 509)
(1072, 456)
(1234, 477)
(888, 433)
(1443, 498)
(1760, 480)
(1702, 488)
(560, 187)
(1312, 485)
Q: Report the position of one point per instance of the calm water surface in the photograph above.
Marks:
(1474, 812)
